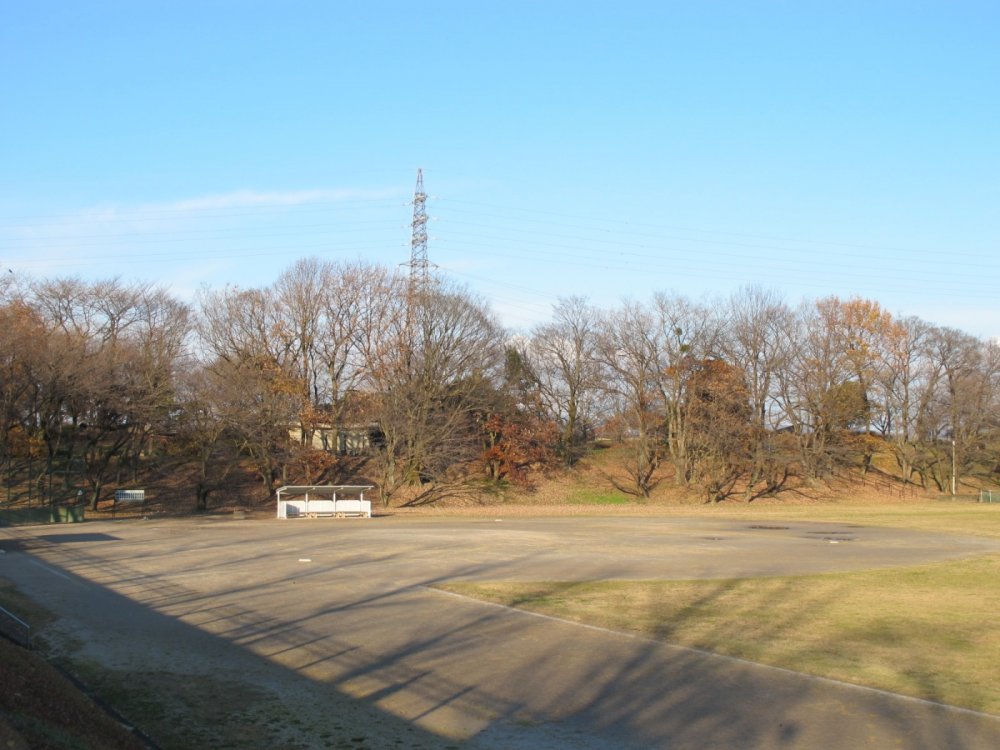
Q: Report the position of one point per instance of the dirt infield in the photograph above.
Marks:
(328, 633)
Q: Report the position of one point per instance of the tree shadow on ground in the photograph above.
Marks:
(351, 649)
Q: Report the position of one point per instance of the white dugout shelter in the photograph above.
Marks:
(337, 500)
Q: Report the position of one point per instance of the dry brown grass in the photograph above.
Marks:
(929, 631)
(39, 706)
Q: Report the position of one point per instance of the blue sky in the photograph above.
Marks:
(601, 149)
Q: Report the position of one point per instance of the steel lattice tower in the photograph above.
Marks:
(419, 265)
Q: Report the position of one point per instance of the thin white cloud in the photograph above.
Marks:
(174, 239)
(255, 199)
(134, 216)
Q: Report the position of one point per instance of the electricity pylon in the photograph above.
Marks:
(419, 265)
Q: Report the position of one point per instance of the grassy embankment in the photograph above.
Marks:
(39, 707)
(927, 631)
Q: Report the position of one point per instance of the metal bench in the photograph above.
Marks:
(130, 496)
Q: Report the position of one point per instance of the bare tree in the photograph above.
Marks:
(755, 340)
(902, 381)
(298, 300)
(360, 310)
(960, 406)
(22, 334)
(688, 334)
(863, 331)
(431, 380)
(240, 325)
(105, 374)
(822, 399)
(630, 352)
(562, 354)
(204, 432)
(245, 347)
(158, 341)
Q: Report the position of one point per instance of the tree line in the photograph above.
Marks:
(745, 396)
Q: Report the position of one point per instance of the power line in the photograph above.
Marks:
(630, 255)
(140, 213)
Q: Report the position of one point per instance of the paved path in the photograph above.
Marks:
(340, 616)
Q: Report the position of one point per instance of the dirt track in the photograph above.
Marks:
(328, 634)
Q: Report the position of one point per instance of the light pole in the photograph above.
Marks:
(953, 467)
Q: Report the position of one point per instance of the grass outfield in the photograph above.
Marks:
(929, 631)
(946, 517)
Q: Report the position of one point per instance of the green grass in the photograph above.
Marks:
(597, 497)
(929, 631)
